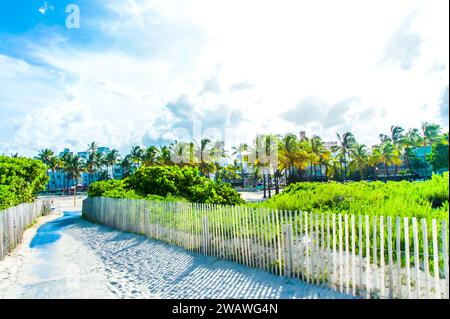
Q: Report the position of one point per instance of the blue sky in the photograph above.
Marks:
(136, 71)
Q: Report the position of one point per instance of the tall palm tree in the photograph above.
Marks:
(150, 156)
(54, 164)
(136, 155)
(90, 167)
(345, 143)
(320, 152)
(46, 156)
(203, 155)
(74, 168)
(92, 147)
(287, 148)
(359, 159)
(241, 150)
(164, 155)
(389, 155)
(412, 140)
(127, 165)
(218, 153)
(110, 160)
(430, 133)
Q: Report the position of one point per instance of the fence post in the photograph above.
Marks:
(445, 256)
(205, 235)
(287, 230)
(407, 262)
(425, 256)
(437, 286)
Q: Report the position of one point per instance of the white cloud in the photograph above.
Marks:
(272, 55)
(45, 7)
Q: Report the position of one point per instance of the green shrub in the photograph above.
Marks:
(20, 180)
(427, 199)
(171, 183)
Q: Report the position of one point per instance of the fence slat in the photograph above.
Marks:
(445, 257)
(437, 286)
(425, 257)
(407, 263)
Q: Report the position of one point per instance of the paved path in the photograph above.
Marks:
(68, 257)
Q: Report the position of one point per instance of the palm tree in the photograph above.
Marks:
(241, 150)
(389, 155)
(54, 164)
(164, 156)
(74, 168)
(218, 153)
(127, 165)
(345, 143)
(150, 157)
(90, 166)
(110, 160)
(359, 159)
(45, 156)
(430, 133)
(320, 152)
(412, 140)
(287, 153)
(136, 155)
(203, 155)
(92, 147)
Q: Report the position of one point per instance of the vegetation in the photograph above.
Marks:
(20, 180)
(425, 199)
(168, 182)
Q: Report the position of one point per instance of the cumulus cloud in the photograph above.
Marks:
(312, 110)
(443, 106)
(404, 45)
(241, 86)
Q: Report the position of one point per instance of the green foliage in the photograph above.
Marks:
(20, 180)
(426, 199)
(170, 183)
(438, 158)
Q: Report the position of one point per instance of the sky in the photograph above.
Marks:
(144, 72)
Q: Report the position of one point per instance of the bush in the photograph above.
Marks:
(20, 180)
(427, 199)
(170, 183)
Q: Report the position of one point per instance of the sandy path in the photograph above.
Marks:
(68, 257)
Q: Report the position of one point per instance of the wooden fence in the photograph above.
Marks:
(14, 221)
(368, 256)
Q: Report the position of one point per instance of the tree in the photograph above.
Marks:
(74, 168)
(136, 155)
(388, 155)
(110, 160)
(359, 159)
(241, 150)
(320, 152)
(126, 165)
(439, 158)
(45, 156)
(345, 143)
(430, 133)
(150, 157)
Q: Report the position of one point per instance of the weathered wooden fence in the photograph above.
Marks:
(14, 221)
(369, 256)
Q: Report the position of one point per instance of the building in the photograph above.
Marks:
(59, 180)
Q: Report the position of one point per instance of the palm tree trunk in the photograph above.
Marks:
(264, 185)
(386, 170)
